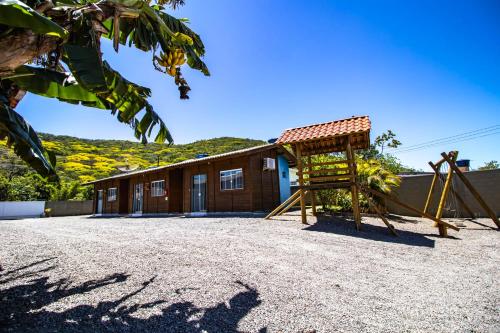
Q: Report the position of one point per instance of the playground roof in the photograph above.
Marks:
(329, 137)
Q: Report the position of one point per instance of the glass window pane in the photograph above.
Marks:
(158, 188)
(239, 179)
(231, 179)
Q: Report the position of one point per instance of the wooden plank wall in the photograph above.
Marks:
(260, 188)
(108, 207)
(266, 193)
(232, 200)
(217, 200)
(150, 204)
(123, 191)
(175, 191)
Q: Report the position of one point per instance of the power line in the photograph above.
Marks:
(446, 142)
(464, 138)
(453, 137)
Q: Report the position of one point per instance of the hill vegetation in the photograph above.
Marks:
(84, 160)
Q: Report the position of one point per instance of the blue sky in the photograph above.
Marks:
(425, 69)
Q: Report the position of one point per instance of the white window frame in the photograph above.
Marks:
(232, 180)
(112, 197)
(154, 191)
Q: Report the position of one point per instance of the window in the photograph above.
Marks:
(158, 188)
(231, 179)
(112, 194)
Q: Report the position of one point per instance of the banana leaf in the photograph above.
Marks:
(155, 28)
(117, 94)
(124, 97)
(16, 14)
(54, 84)
(86, 65)
(25, 141)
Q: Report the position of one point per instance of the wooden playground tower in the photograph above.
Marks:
(333, 137)
(339, 136)
(448, 188)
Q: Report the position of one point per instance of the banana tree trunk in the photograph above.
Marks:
(16, 49)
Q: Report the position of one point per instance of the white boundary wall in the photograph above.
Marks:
(12, 209)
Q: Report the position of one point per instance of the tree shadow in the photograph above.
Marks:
(23, 307)
(345, 227)
(27, 266)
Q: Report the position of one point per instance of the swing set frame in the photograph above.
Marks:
(450, 158)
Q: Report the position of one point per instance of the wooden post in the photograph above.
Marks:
(433, 185)
(293, 203)
(472, 190)
(382, 217)
(402, 204)
(443, 232)
(283, 205)
(354, 189)
(300, 169)
(455, 193)
(313, 193)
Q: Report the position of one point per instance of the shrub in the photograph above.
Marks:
(371, 173)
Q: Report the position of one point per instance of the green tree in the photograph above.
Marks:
(21, 189)
(62, 192)
(32, 186)
(386, 139)
(371, 173)
(53, 48)
(393, 164)
(387, 160)
(491, 165)
(4, 188)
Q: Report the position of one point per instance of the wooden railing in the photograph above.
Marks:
(330, 173)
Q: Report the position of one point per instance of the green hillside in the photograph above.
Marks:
(83, 160)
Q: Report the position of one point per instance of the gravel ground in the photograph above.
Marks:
(234, 274)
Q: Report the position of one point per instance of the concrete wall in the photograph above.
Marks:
(67, 208)
(414, 190)
(14, 209)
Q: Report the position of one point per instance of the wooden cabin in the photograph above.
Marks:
(248, 180)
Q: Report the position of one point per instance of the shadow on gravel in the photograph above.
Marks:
(401, 219)
(25, 267)
(22, 308)
(342, 226)
(485, 226)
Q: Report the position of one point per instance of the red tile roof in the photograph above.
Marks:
(326, 130)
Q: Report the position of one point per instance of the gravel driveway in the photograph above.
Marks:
(74, 274)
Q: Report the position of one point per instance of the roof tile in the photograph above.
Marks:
(325, 130)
